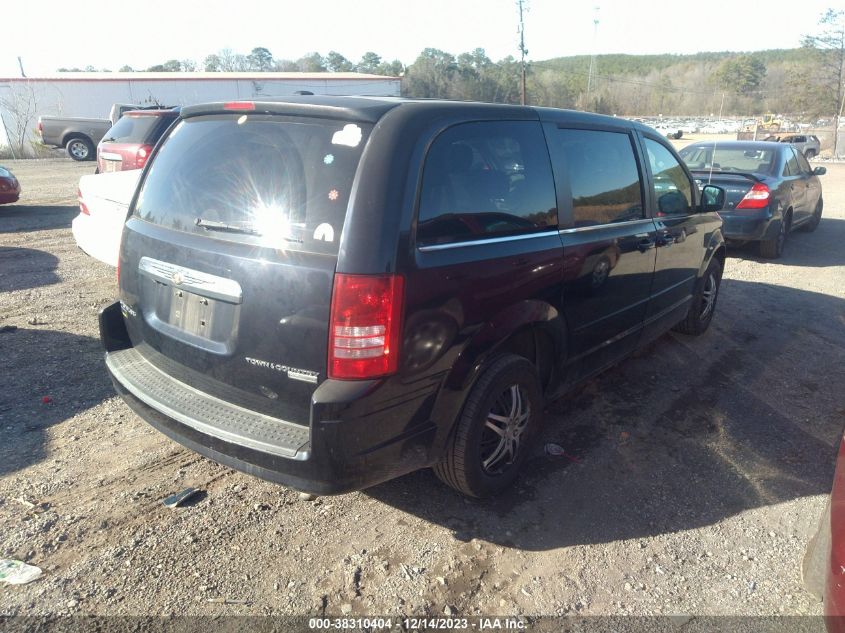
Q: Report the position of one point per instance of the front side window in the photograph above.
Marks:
(486, 179)
(791, 168)
(803, 164)
(603, 175)
(672, 187)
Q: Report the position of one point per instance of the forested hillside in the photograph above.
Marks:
(782, 81)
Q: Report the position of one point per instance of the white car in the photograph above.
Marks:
(103, 204)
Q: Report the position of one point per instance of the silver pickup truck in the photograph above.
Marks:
(79, 136)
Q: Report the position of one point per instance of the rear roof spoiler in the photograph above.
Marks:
(744, 174)
(355, 109)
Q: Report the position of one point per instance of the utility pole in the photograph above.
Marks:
(522, 51)
(20, 63)
(593, 55)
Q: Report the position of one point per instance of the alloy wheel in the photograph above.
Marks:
(708, 295)
(501, 438)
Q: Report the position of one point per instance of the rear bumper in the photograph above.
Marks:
(99, 240)
(338, 452)
(8, 197)
(746, 227)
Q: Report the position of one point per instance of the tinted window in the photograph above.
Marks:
(757, 161)
(603, 175)
(486, 179)
(138, 129)
(791, 168)
(672, 187)
(802, 163)
(281, 182)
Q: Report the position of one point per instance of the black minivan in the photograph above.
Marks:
(332, 292)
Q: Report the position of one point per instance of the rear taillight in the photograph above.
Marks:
(364, 325)
(82, 207)
(39, 127)
(142, 155)
(756, 198)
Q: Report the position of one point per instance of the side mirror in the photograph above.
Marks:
(820, 171)
(712, 198)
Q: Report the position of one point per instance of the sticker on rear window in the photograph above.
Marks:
(350, 136)
(324, 232)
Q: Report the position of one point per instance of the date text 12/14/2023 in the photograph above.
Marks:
(478, 623)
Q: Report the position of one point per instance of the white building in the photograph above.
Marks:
(91, 95)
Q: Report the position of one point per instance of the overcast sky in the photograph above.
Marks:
(49, 34)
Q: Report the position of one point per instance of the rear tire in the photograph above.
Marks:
(773, 248)
(80, 148)
(810, 153)
(703, 304)
(812, 224)
(495, 431)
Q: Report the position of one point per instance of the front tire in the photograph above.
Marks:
(813, 223)
(80, 149)
(703, 304)
(496, 429)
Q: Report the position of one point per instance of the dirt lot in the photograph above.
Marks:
(699, 467)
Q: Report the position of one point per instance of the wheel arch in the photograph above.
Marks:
(69, 136)
(532, 329)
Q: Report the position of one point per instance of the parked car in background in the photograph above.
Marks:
(103, 205)
(771, 189)
(334, 291)
(10, 188)
(807, 144)
(129, 142)
(823, 569)
(79, 136)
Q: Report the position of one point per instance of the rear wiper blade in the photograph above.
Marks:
(214, 225)
(236, 227)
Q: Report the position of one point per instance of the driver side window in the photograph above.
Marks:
(672, 187)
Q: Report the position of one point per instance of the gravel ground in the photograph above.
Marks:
(697, 469)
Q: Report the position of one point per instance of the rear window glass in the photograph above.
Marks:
(138, 129)
(486, 179)
(755, 161)
(282, 182)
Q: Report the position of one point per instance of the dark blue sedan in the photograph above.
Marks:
(770, 189)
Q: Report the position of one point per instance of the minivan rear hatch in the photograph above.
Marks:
(228, 257)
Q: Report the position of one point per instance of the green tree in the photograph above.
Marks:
(126, 69)
(311, 63)
(212, 63)
(369, 63)
(260, 59)
(337, 63)
(432, 75)
(828, 47)
(741, 75)
(391, 69)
